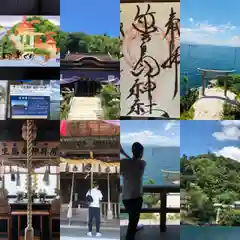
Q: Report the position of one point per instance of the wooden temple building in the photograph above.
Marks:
(90, 151)
(29, 209)
(85, 73)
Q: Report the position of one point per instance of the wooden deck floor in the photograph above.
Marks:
(153, 232)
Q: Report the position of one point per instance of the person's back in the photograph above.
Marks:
(132, 171)
(94, 209)
(96, 196)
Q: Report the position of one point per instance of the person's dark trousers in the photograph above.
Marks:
(94, 212)
(133, 208)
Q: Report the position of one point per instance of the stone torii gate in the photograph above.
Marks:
(214, 73)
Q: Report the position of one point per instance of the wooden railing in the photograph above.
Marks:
(115, 207)
(163, 209)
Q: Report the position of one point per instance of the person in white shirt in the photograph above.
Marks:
(94, 209)
(132, 171)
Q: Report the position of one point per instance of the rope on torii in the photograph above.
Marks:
(29, 232)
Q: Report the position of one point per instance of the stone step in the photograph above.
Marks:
(85, 108)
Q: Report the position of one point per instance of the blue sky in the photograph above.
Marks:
(91, 16)
(215, 22)
(147, 132)
(220, 137)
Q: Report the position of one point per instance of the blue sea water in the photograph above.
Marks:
(211, 232)
(157, 159)
(206, 56)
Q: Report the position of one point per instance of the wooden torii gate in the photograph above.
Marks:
(214, 73)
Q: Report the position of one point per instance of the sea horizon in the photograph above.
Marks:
(207, 56)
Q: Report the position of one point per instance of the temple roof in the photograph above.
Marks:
(82, 56)
(89, 61)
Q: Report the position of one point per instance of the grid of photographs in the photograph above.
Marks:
(127, 123)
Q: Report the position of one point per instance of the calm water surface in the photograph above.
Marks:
(205, 56)
(210, 233)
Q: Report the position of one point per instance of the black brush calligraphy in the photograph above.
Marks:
(173, 31)
(145, 25)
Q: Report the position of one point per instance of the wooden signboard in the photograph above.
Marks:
(91, 128)
(18, 150)
(150, 62)
(91, 143)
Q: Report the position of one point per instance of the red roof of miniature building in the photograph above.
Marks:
(25, 24)
(50, 40)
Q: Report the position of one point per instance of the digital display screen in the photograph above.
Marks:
(30, 107)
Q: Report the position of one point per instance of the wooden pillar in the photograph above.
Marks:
(163, 214)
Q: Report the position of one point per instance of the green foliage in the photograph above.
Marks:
(110, 99)
(64, 107)
(231, 112)
(41, 51)
(150, 199)
(233, 82)
(187, 101)
(188, 115)
(208, 179)
(83, 43)
(229, 217)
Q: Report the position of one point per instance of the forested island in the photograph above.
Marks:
(79, 42)
(210, 189)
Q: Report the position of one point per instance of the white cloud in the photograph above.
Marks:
(191, 19)
(149, 138)
(229, 152)
(205, 33)
(170, 125)
(231, 123)
(230, 131)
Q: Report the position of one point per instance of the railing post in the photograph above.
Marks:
(163, 214)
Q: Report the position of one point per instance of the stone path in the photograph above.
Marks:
(73, 233)
(85, 108)
(210, 107)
